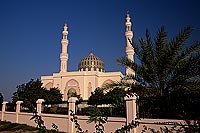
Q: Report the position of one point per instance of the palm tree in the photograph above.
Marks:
(163, 65)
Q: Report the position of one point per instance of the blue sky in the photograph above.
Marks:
(30, 32)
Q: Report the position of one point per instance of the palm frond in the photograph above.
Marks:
(163, 65)
(124, 61)
(195, 47)
(129, 77)
(177, 43)
(138, 51)
(161, 42)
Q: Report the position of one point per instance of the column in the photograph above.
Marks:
(131, 111)
(3, 110)
(39, 105)
(18, 103)
(72, 107)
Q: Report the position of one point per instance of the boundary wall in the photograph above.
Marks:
(65, 124)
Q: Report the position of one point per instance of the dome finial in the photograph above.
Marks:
(127, 13)
(65, 26)
(91, 52)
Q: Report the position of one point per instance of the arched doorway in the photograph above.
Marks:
(72, 87)
(71, 93)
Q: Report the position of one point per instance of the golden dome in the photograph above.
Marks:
(91, 62)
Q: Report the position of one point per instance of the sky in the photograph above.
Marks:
(31, 31)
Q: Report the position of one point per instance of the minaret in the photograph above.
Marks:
(129, 47)
(64, 53)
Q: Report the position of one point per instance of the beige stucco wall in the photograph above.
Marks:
(10, 116)
(152, 123)
(60, 120)
(83, 78)
(112, 124)
(46, 80)
(24, 118)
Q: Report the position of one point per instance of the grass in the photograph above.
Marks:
(8, 126)
(15, 127)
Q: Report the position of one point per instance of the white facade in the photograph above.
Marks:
(83, 82)
(91, 72)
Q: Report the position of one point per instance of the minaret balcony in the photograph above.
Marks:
(129, 50)
(129, 33)
(64, 41)
(63, 56)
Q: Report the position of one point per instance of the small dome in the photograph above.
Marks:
(91, 63)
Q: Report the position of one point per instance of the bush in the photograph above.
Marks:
(169, 107)
(55, 110)
(10, 107)
(8, 126)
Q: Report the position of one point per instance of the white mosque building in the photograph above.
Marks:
(90, 74)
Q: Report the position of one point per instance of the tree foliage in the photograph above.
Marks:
(164, 65)
(114, 98)
(1, 100)
(97, 97)
(52, 95)
(166, 71)
(30, 92)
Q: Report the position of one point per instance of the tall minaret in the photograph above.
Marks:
(129, 47)
(64, 53)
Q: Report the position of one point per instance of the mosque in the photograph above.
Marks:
(91, 73)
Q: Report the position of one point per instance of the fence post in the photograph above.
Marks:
(131, 112)
(3, 110)
(39, 105)
(72, 101)
(18, 110)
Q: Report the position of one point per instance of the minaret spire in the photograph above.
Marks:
(64, 53)
(129, 47)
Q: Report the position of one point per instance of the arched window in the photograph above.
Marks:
(108, 81)
(49, 85)
(89, 89)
